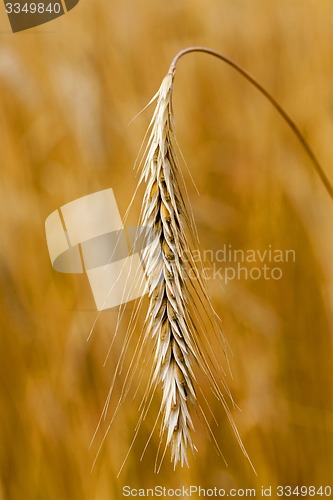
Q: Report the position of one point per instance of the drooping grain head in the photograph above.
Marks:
(164, 262)
(179, 305)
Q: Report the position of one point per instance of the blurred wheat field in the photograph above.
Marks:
(68, 92)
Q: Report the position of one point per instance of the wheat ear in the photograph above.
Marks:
(164, 256)
(170, 319)
(176, 299)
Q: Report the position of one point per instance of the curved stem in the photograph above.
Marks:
(319, 169)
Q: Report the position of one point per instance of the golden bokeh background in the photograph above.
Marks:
(68, 92)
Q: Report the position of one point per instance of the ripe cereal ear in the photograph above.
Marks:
(181, 287)
(181, 324)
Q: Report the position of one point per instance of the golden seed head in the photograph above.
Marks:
(153, 191)
(165, 213)
(167, 251)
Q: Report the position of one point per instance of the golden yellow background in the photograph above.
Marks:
(68, 90)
